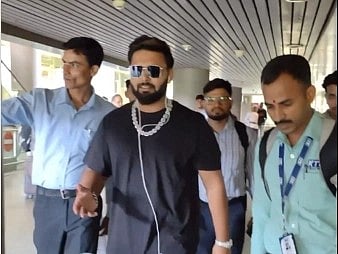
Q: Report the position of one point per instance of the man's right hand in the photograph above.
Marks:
(84, 205)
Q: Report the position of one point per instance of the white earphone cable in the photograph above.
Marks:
(145, 185)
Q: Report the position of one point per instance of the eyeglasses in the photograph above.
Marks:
(154, 71)
(220, 99)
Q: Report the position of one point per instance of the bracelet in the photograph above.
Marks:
(95, 199)
(227, 244)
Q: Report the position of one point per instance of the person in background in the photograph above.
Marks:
(236, 162)
(199, 105)
(262, 116)
(293, 206)
(63, 121)
(129, 92)
(199, 101)
(26, 136)
(330, 86)
(154, 149)
(251, 118)
(117, 100)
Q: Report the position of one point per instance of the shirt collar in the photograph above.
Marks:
(63, 98)
(313, 130)
(229, 124)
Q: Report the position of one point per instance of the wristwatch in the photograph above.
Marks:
(227, 244)
(95, 199)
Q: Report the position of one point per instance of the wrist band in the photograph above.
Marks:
(227, 244)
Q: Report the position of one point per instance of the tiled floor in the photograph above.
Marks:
(19, 220)
(17, 215)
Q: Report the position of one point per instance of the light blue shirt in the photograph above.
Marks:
(310, 208)
(234, 172)
(62, 133)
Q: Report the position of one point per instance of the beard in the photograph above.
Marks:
(149, 98)
(218, 117)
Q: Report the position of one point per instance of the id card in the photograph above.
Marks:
(287, 244)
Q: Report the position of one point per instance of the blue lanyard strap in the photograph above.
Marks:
(292, 179)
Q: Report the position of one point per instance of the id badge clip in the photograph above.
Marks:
(287, 244)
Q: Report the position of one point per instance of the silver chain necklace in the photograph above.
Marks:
(163, 120)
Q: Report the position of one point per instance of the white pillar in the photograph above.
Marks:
(236, 101)
(246, 106)
(187, 83)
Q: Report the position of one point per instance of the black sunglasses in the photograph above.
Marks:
(154, 71)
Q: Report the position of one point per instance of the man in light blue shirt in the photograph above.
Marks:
(64, 121)
(300, 210)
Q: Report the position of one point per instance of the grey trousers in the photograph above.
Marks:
(59, 231)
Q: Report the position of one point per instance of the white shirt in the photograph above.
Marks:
(251, 120)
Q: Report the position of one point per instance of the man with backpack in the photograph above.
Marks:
(294, 205)
(237, 143)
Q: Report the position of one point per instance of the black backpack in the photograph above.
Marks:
(327, 156)
(243, 135)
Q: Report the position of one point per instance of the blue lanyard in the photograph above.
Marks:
(286, 191)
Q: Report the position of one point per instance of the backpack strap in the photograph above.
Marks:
(328, 152)
(327, 155)
(244, 139)
(327, 128)
(265, 146)
(243, 135)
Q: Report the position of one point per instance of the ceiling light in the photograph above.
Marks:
(186, 47)
(215, 64)
(119, 4)
(294, 46)
(296, 1)
(239, 52)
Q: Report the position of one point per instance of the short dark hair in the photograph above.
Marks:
(330, 79)
(199, 97)
(88, 47)
(152, 44)
(218, 83)
(295, 65)
(127, 83)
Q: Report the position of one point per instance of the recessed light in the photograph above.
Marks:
(186, 47)
(296, 1)
(119, 4)
(239, 52)
(294, 46)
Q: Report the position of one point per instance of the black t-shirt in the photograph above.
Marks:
(261, 116)
(171, 160)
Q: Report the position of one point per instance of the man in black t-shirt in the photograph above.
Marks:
(153, 149)
(261, 118)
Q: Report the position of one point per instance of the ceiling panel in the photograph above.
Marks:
(214, 29)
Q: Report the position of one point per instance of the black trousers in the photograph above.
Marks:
(59, 231)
